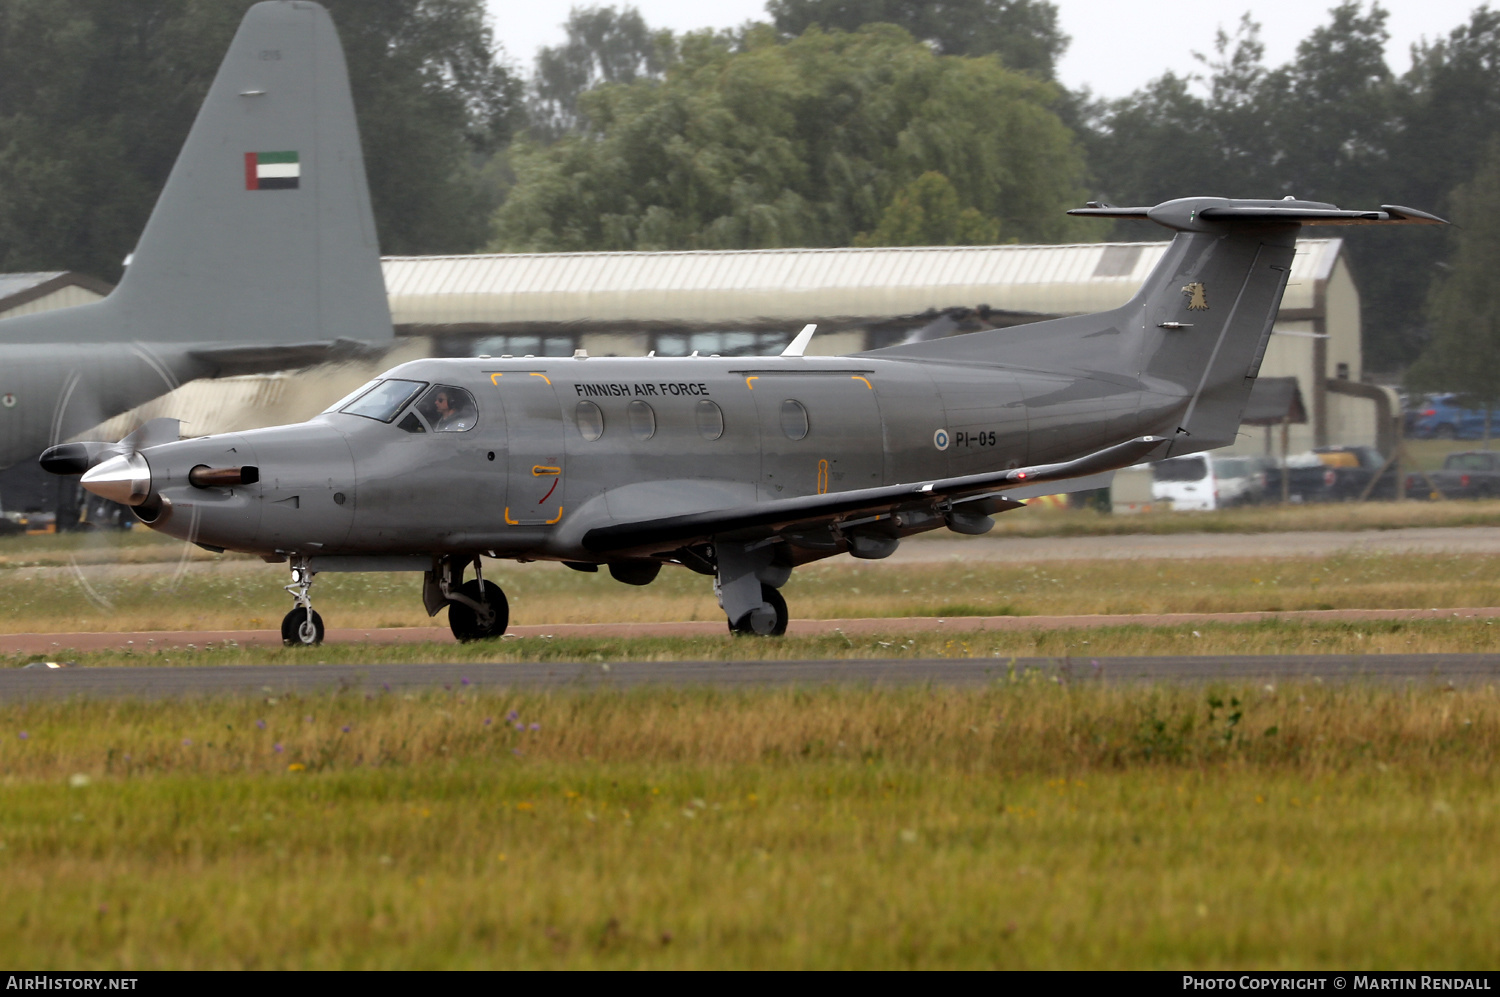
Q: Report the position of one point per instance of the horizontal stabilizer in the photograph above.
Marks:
(232, 361)
(1199, 214)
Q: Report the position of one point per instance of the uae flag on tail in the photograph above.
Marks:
(272, 171)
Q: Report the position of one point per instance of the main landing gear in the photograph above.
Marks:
(746, 579)
(477, 609)
(302, 627)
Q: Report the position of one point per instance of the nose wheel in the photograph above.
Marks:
(302, 627)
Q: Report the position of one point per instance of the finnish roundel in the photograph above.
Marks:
(940, 439)
(9, 400)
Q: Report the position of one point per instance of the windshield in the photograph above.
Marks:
(1186, 469)
(1233, 467)
(383, 401)
(352, 395)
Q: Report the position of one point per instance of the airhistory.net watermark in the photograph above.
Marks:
(44, 981)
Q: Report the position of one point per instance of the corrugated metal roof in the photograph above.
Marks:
(15, 283)
(754, 287)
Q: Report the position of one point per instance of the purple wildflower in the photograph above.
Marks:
(463, 681)
(25, 736)
(386, 686)
(187, 742)
(276, 747)
(345, 728)
(516, 752)
(488, 721)
(536, 726)
(520, 726)
(261, 724)
(513, 716)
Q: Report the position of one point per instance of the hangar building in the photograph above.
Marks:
(749, 302)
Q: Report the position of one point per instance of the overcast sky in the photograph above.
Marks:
(1117, 44)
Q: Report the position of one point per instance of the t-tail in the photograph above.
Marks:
(1193, 337)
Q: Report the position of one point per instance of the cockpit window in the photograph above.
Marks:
(448, 409)
(385, 400)
(352, 395)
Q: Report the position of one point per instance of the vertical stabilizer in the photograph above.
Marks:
(263, 235)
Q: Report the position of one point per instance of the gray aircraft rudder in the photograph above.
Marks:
(263, 234)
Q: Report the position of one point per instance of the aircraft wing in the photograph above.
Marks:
(767, 518)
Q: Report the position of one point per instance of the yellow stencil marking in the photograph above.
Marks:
(541, 472)
(856, 377)
(542, 376)
(508, 520)
(558, 519)
(495, 379)
(753, 377)
(550, 522)
(822, 477)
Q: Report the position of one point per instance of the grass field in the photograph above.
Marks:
(1028, 826)
(238, 595)
(1273, 636)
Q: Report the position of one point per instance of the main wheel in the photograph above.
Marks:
(467, 624)
(760, 622)
(302, 628)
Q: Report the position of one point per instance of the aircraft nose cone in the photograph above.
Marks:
(126, 479)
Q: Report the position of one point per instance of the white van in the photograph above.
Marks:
(1201, 482)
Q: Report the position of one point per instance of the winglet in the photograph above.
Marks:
(797, 346)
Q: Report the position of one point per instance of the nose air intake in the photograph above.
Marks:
(125, 479)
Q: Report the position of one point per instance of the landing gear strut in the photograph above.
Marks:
(302, 627)
(477, 609)
(746, 578)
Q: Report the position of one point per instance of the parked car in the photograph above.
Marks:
(1468, 474)
(1203, 482)
(1440, 418)
(1333, 474)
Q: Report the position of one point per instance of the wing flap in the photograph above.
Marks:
(781, 514)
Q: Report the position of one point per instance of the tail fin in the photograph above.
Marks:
(1194, 335)
(1207, 309)
(263, 234)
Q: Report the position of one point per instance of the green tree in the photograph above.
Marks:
(796, 144)
(927, 212)
(1023, 33)
(604, 45)
(98, 95)
(1464, 307)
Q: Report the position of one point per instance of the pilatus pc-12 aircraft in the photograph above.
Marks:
(259, 255)
(737, 468)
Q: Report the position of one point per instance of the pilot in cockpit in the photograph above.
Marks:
(451, 410)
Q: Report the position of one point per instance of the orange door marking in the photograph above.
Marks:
(822, 477)
(753, 377)
(495, 379)
(856, 377)
(542, 376)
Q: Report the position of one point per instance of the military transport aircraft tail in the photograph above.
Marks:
(1194, 335)
(261, 250)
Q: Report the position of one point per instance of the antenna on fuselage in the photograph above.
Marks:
(796, 347)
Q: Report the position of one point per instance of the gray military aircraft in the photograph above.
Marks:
(737, 468)
(259, 255)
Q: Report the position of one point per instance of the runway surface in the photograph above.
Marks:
(160, 683)
(63, 643)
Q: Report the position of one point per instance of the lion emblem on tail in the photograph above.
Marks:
(1197, 300)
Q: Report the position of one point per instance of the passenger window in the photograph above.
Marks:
(793, 419)
(710, 419)
(590, 421)
(448, 409)
(642, 420)
(384, 400)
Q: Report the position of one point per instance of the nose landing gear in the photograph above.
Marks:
(302, 627)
